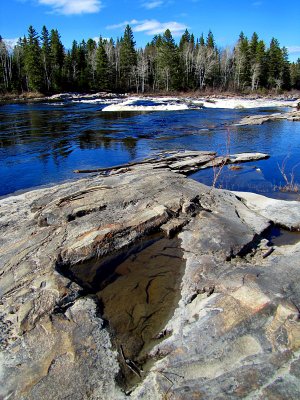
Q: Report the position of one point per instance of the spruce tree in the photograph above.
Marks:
(210, 41)
(46, 57)
(91, 51)
(261, 59)
(128, 57)
(102, 67)
(201, 40)
(33, 61)
(295, 74)
(168, 62)
(285, 73)
(57, 56)
(275, 64)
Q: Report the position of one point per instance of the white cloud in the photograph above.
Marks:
(70, 7)
(152, 26)
(122, 24)
(152, 4)
(10, 43)
(97, 38)
(293, 49)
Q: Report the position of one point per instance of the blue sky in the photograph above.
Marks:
(83, 19)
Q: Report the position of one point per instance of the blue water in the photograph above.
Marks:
(41, 144)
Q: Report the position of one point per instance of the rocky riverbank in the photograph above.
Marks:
(235, 332)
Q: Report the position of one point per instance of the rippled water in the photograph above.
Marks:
(42, 144)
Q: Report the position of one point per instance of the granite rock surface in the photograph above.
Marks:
(236, 330)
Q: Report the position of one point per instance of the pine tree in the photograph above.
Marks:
(82, 66)
(57, 55)
(18, 79)
(201, 40)
(242, 63)
(253, 45)
(33, 61)
(128, 57)
(186, 50)
(275, 64)
(102, 67)
(91, 54)
(295, 74)
(210, 41)
(185, 39)
(168, 62)
(46, 57)
(74, 58)
(285, 73)
(261, 60)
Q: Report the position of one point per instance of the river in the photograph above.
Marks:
(42, 143)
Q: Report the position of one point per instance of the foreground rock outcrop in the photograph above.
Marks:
(234, 334)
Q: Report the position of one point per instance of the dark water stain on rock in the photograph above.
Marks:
(139, 291)
(282, 237)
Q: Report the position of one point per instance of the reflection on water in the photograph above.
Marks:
(44, 143)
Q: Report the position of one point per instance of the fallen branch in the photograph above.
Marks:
(269, 252)
(131, 364)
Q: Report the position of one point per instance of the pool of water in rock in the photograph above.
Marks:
(138, 290)
(283, 237)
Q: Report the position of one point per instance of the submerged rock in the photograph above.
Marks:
(235, 332)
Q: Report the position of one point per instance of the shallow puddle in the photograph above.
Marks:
(282, 237)
(139, 291)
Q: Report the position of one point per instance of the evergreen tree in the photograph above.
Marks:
(57, 55)
(74, 55)
(285, 73)
(261, 60)
(275, 65)
(128, 57)
(102, 66)
(186, 50)
(210, 41)
(295, 74)
(201, 40)
(33, 61)
(168, 62)
(91, 54)
(46, 57)
(253, 47)
(242, 63)
(82, 66)
(161, 65)
(185, 39)
(19, 80)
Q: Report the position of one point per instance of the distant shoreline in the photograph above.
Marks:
(36, 97)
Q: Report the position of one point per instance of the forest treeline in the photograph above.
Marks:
(39, 62)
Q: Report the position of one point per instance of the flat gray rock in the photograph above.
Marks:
(259, 119)
(281, 212)
(234, 334)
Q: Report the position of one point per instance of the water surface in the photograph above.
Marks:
(41, 144)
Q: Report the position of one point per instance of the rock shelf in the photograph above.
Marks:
(183, 162)
(235, 332)
(259, 119)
